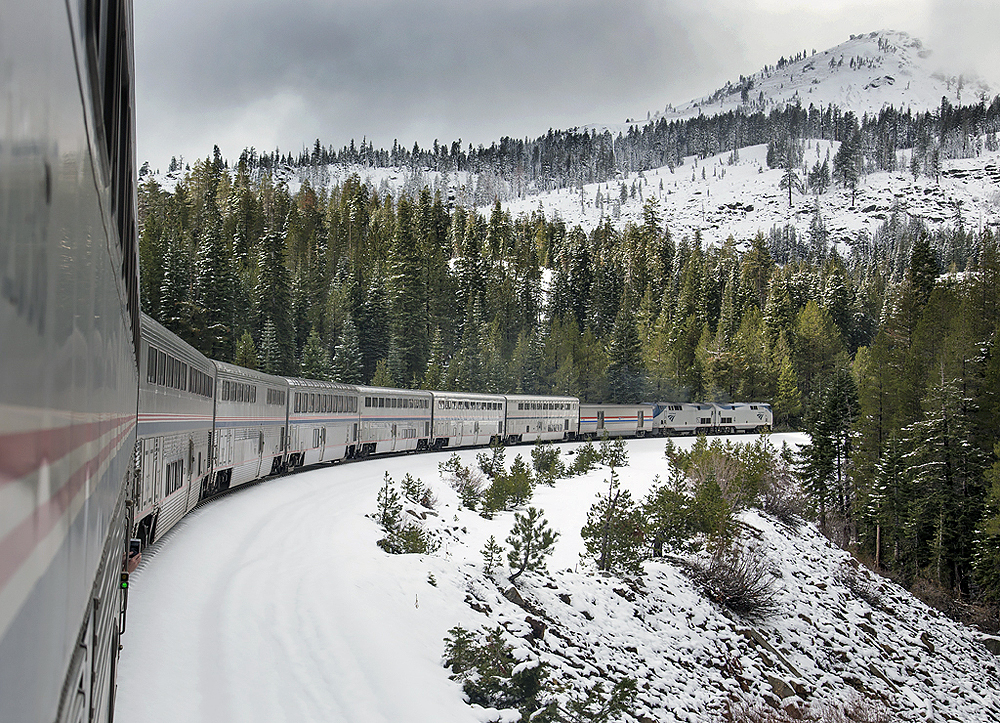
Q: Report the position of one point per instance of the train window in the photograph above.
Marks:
(381, 402)
(151, 365)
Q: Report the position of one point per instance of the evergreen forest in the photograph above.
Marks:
(889, 356)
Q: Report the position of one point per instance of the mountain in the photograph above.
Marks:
(865, 74)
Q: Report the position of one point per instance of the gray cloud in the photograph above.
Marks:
(269, 73)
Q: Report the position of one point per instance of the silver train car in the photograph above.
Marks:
(322, 422)
(69, 345)
(176, 419)
(616, 420)
(251, 418)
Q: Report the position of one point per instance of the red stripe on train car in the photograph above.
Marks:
(20, 542)
(23, 452)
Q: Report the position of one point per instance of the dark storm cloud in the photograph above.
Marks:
(401, 70)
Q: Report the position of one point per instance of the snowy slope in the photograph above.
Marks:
(865, 74)
(743, 199)
(275, 604)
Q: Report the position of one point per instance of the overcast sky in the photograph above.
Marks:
(282, 73)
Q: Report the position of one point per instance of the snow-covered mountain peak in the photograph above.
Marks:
(864, 74)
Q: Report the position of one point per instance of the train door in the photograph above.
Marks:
(260, 451)
(392, 442)
(150, 471)
(322, 444)
(600, 419)
(640, 419)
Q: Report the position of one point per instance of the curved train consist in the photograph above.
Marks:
(259, 425)
(111, 427)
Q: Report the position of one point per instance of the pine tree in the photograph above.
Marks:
(214, 289)
(346, 366)
(986, 556)
(246, 352)
(174, 293)
(948, 476)
(531, 541)
(625, 378)
(613, 535)
(315, 359)
(847, 164)
(408, 294)
(826, 459)
(273, 304)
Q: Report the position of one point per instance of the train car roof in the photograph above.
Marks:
(540, 397)
(319, 384)
(151, 328)
(469, 395)
(392, 390)
(237, 371)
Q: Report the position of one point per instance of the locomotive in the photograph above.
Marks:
(111, 427)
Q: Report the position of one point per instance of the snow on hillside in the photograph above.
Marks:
(275, 604)
(740, 200)
(864, 74)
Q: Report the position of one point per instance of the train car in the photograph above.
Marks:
(616, 420)
(176, 407)
(322, 422)
(743, 417)
(467, 420)
(393, 420)
(251, 414)
(531, 418)
(683, 418)
(69, 344)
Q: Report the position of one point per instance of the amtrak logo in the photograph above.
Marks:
(671, 417)
(760, 416)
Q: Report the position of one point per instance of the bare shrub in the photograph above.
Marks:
(744, 711)
(469, 483)
(857, 579)
(856, 710)
(740, 580)
(781, 495)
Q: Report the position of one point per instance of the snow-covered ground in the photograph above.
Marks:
(744, 199)
(275, 604)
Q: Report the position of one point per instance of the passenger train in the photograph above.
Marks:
(263, 424)
(111, 427)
